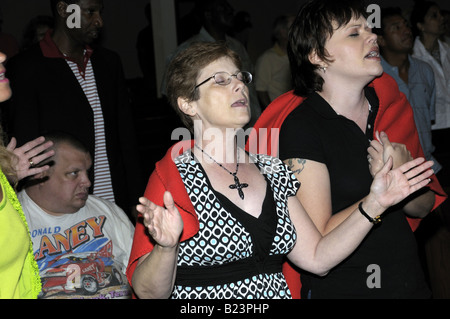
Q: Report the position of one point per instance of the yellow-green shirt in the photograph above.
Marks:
(19, 275)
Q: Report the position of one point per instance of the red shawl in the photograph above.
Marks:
(165, 177)
(395, 117)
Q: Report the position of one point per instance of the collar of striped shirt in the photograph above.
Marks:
(50, 50)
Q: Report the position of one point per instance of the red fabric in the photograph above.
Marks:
(395, 117)
(165, 177)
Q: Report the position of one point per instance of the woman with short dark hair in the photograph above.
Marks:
(329, 139)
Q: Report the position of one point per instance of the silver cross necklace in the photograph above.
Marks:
(237, 184)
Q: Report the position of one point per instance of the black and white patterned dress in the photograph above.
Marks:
(235, 255)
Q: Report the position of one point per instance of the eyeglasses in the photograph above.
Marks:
(224, 78)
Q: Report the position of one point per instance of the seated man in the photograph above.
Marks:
(81, 242)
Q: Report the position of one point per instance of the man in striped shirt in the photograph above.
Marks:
(67, 83)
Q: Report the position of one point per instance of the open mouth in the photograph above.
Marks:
(240, 103)
(3, 77)
(373, 54)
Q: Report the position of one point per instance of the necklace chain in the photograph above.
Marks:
(231, 173)
(237, 184)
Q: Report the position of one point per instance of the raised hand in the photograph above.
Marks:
(391, 186)
(163, 223)
(29, 155)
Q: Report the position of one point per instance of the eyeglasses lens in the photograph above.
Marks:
(223, 78)
(245, 77)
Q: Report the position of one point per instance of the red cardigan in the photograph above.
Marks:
(395, 117)
(165, 177)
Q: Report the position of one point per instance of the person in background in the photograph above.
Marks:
(272, 72)
(19, 275)
(217, 18)
(335, 129)
(74, 231)
(68, 83)
(428, 26)
(35, 30)
(414, 77)
(416, 80)
(446, 36)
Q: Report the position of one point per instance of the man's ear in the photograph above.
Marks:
(186, 107)
(61, 9)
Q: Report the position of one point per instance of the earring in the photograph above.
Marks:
(324, 69)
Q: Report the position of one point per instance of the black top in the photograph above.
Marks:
(314, 131)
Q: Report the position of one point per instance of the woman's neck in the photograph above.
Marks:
(346, 102)
(221, 149)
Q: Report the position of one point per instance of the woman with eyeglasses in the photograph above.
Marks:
(218, 222)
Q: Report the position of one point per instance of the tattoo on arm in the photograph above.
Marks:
(296, 165)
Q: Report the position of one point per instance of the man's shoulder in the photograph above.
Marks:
(96, 202)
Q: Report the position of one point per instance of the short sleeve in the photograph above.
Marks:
(300, 136)
(283, 182)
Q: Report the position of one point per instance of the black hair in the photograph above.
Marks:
(418, 14)
(386, 13)
(58, 137)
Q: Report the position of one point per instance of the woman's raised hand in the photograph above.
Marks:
(391, 186)
(163, 223)
(29, 155)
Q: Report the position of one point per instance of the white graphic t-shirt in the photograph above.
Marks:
(81, 255)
